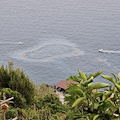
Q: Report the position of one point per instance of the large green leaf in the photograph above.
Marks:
(117, 86)
(85, 83)
(108, 104)
(95, 117)
(78, 101)
(112, 103)
(73, 78)
(112, 80)
(82, 75)
(108, 78)
(96, 105)
(89, 76)
(118, 82)
(98, 86)
(97, 73)
(114, 76)
(119, 75)
(74, 88)
(106, 95)
(98, 94)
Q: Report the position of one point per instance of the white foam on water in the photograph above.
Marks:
(111, 51)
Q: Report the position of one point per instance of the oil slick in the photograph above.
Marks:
(48, 51)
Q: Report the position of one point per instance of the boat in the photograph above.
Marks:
(101, 50)
(20, 43)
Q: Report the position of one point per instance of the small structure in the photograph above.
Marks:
(61, 87)
(64, 84)
(4, 104)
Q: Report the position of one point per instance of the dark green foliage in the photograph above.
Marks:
(4, 77)
(19, 100)
(38, 102)
(17, 81)
(46, 108)
(11, 113)
(20, 82)
(51, 98)
(42, 90)
(85, 100)
(52, 102)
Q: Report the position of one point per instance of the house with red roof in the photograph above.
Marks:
(61, 87)
(64, 84)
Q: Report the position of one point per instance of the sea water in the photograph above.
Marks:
(60, 37)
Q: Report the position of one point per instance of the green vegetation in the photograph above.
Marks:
(91, 101)
(30, 101)
(85, 101)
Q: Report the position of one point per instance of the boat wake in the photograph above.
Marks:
(109, 51)
(10, 43)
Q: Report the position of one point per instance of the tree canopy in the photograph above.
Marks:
(16, 80)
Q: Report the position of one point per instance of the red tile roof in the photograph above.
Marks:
(64, 84)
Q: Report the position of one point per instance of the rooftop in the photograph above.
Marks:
(64, 84)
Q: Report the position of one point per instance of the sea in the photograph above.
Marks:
(51, 40)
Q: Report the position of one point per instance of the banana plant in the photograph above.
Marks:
(91, 105)
(115, 80)
(79, 90)
(115, 96)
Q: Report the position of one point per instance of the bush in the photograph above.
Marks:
(4, 77)
(17, 81)
(11, 113)
(21, 83)
(42, 90)
(19, 100)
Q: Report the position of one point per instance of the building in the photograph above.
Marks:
(61, 87)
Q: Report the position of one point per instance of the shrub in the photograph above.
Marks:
(19, 100)
(42, 90)
(17, 81)
(21, 83)
(4, 77)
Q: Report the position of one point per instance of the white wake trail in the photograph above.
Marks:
(7, 43)
(111, 51)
